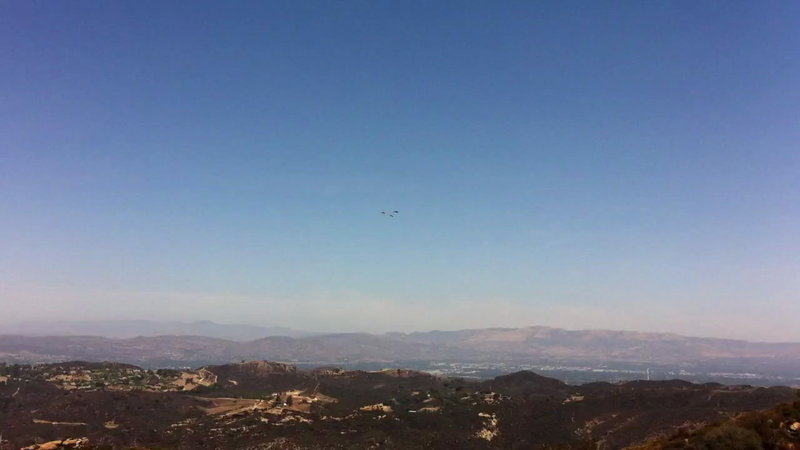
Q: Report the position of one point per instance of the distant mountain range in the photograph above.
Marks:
(136, 328)
(531, 344)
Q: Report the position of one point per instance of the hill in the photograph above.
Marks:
(262, 404)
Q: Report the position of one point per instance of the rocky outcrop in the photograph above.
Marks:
(82, 443)
(264, 368)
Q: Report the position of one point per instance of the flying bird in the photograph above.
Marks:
(390, 213)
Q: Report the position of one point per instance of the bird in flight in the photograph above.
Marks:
(390, 213)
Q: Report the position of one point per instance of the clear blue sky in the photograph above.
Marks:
(596, 164)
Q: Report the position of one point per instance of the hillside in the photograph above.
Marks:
(261, 404)
(776, 428)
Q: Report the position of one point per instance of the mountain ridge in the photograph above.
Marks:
(477, 345)
(151, 328)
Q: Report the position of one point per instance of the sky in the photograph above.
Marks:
(624, 165)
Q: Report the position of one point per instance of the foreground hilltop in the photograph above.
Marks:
(262, 404)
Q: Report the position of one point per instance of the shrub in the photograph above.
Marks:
(732, 437)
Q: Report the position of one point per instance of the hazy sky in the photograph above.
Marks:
(599, 164)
